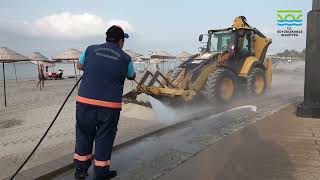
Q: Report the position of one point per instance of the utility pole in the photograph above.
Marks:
(316, 5)
(310, 107)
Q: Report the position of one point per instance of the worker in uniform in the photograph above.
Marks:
(99, 103)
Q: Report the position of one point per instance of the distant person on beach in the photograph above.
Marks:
(99, 102)
(48, 75)
(157, 67)
(41, 77)
(59, 74)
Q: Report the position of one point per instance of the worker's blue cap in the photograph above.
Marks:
(126, 35)
(116, 33)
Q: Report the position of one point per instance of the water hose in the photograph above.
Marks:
(45, 134)
(48, 129)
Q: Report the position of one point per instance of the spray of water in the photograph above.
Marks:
(248, 107)
(167, 115)
(164, 114)
(252, 108)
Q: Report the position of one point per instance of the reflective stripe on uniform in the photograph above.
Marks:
(99, 102)
(82, 158)
(102, 163)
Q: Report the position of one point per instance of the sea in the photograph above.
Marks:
(28, 70)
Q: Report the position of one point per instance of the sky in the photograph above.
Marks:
(50, 27)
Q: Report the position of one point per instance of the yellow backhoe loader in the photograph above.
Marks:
(232, 59)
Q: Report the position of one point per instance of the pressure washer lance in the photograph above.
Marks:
(50, 126)
(45, 134)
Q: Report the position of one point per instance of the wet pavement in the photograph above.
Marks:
(156, 155)
(281, 146)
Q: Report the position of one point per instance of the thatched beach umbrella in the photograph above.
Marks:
(134, 55)
(38, 58)
(9, 56)
(163, 55)
(184, 55)
(44, 64)
(145, 58)
(71, 55)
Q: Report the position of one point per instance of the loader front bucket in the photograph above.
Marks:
(131, 97)
(148, 88)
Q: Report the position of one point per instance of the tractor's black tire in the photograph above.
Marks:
(251, 81)
(212, 89)
(175, 74)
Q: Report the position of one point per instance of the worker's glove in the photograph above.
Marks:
(132, 77)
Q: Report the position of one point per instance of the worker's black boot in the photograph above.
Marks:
(111, 174)
(80, 174)
(107, 176)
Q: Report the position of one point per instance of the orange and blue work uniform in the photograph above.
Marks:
(99, 104)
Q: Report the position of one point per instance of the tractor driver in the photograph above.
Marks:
(229, 53)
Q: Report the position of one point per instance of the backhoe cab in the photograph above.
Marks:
(231, 58)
